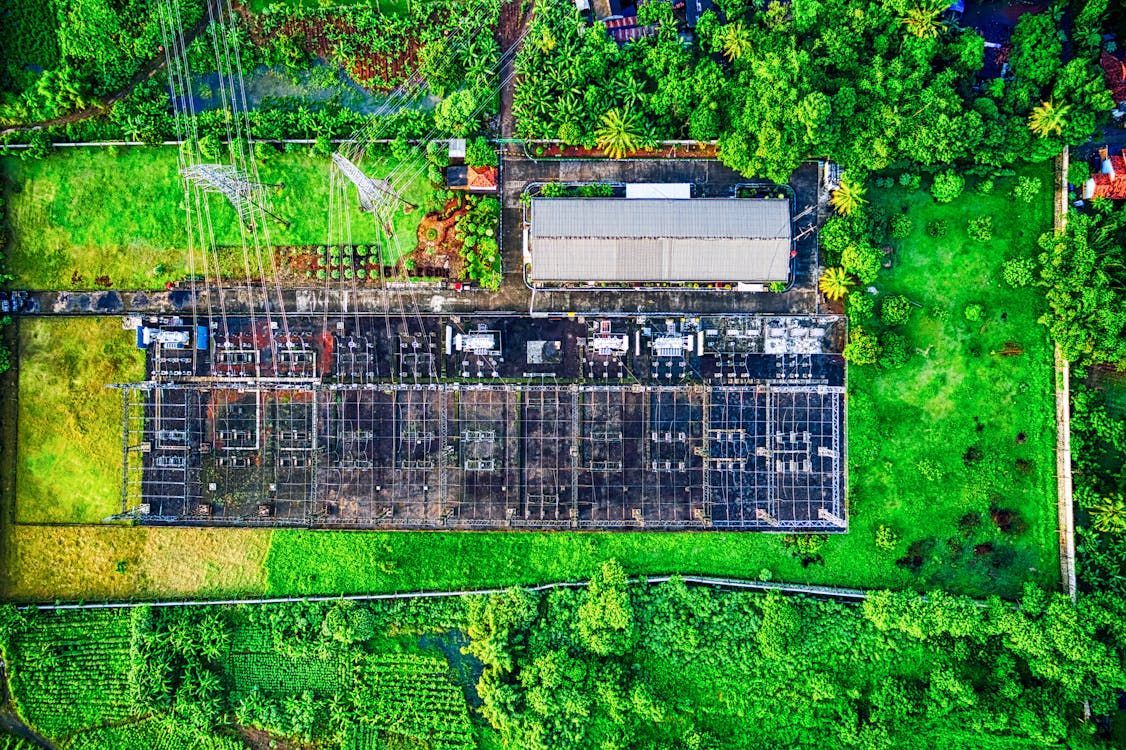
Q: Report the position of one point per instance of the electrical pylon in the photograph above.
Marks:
(377, 197)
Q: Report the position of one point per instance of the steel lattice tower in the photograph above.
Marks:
(243, 193)
(377, 197)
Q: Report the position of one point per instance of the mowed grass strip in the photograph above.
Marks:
(81, 214)
(69, 433)
(47, 563)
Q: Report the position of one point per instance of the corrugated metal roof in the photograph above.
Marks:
(670, 260)
(618, 240)
(718, 218)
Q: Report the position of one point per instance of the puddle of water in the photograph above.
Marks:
(321, 83)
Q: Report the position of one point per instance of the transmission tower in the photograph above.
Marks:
(243, 193)
(377, 197)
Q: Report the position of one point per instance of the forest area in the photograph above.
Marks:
(871, 85)
(613, 665)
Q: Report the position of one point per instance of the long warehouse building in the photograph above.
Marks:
(622, 240)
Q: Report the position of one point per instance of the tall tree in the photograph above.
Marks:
(619, 133)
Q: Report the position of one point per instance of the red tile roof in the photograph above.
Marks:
(1115, 189)
(483, 178)
(1114, 73)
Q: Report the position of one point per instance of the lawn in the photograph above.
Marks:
(960, 441)
(68, 457)
(47, 563)
(82, 214)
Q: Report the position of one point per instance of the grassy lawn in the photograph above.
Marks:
(68, 458)
(85, 213)
(45, 563)
(961, 433)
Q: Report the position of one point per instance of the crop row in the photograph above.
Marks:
(274, 673)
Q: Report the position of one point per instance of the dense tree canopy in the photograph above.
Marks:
(712, 670)
(866, 82)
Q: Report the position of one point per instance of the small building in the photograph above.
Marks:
(472, 179)
(667, 241)
(1108, 180)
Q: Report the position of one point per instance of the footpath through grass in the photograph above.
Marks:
(81, 214)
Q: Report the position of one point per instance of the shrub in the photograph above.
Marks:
(981, 228)
(859, 308)
(894, 350)
(778, 286)
(553, 190)
(863, 348)
(900, 226)
(937, 228)
(895, 309)
(431, 234)
(910, 181)
(361, 274)
(1027, 188)
(940, 314)
(947, 186)
(1018, 272)
(929, 469)
(478, 153)
(1078, 172)
(985, 187)
(335, 274)
(805, 544)
(974, 312)
(886, 538)
(862, 261)
(322, 145)
(322, 274)
(570, 133)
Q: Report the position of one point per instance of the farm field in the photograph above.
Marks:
(89, 214)
(742, 669)
(68, 457)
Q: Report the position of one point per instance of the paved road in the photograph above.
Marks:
(711, 178)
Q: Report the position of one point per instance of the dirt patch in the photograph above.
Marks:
(256, 739)
(1008, 521)
(438, 252)
(682, 151)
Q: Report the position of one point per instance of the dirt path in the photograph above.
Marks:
(145, 73)
(509, 32)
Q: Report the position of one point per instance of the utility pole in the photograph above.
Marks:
(377, 197)
(243, 193)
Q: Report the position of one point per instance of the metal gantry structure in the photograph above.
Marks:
(493, 423)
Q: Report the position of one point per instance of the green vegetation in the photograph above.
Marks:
(613, 665)
(866, 84)
(339, 674)
(952, 434)
(69, 432)
(1082, 273)
(61, 56)
(93, 214)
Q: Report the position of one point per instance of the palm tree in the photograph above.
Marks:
(734, 40)
(1048, 118)
(848, 197)
(618, 134)
(835, 283)
(921, 19)
(1109, 515)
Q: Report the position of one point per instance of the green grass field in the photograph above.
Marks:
(84, 213)
(69, 433)
(962, 429)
